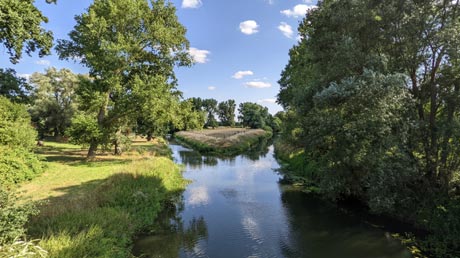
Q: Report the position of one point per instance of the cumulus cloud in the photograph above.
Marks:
(258, 84)
(286, 29)
(212, 88)
(191, 3)
(249, 27)
(199, 55)
(43, 62)
(241, 74)
(269, 101)
(298, 11)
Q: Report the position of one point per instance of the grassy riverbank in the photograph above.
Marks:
(95, 209)
(223, 140)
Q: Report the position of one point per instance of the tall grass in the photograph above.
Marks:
(103, 221)
(223, 141)
(95, 209)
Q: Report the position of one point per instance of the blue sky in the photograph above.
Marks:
(240, 46)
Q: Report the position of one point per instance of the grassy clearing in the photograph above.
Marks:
(223, 140)
(94, 209)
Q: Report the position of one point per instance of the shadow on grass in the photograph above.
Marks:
(101, 217)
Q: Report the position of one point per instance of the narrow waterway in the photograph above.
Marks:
(235, 207)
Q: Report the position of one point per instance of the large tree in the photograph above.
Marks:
(372, 94)
(131, 48)
(253, 115)
(54, 100)
(21, 29)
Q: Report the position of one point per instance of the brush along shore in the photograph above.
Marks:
(223, 140)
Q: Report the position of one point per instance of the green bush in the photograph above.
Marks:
(17, 140)
(15, 125)
(13, 217)
(18, 165)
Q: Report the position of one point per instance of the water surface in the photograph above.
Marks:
(235, 207)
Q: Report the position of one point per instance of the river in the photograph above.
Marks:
(235, 207)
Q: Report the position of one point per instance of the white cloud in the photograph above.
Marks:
(191, 3)
(258, 84)
(198, 196)
(43, 62)
(308, 1)
(212, 88)
(270, 101)
(286, 29)
(241, 74)
(298, 11)
(270, 2)
(199, 55)
(249, 27)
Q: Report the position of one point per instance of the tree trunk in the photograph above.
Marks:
(92, 150)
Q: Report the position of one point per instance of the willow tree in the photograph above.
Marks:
(131, 48)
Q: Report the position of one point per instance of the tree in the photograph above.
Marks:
(210, 106)
(54, 102)
(131, 48)
(13, 87)
(253, 115)
(226, 112)
(20, 28)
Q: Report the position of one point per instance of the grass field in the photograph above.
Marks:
(222, 140)
(95, 209)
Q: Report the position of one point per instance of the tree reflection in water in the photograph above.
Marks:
(196, 160)
(172, 236)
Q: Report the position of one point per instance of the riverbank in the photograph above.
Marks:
(222, 140)
(433, 230)
(95, 209)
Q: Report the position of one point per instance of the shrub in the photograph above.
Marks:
(13, 217)
(18, 165)
(17, 139)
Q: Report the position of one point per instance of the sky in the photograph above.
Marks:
(240, 47)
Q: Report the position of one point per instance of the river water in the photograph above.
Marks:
(235, 207)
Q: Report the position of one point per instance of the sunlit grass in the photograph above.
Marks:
(94, 209)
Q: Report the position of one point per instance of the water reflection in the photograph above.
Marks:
(319, 229)
(234, 207)
(196, 160)
(171, 240)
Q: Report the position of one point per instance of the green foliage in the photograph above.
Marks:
(54, 101)
(226, 112)
(17, 139)
(84, 128)
(131, 49)
(18, 165)
(13, 87)
(13, 217)
(20, 28)
(15, 128)
(371, 95)
(253, 115)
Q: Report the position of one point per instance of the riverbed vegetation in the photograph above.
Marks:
(371, 111)
(223, 140)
